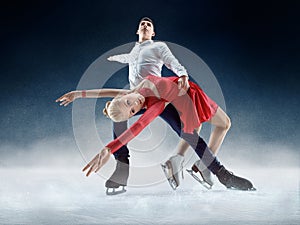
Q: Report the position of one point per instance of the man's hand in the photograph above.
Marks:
(98, 161)
(110, 58)
(183, 85)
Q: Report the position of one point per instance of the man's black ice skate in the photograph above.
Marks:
(118, 181)
(234, 182)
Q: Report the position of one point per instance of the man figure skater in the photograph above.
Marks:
(147, 57)
(143, 60)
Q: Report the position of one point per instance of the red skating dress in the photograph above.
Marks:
(194, 108)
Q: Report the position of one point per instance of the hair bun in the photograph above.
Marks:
(105, 110)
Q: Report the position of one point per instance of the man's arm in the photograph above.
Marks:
(122, 58)
(173, 64)
(170, 61)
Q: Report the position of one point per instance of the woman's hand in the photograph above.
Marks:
(67, 98)
(98, 161)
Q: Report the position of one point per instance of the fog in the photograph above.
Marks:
(42, 183)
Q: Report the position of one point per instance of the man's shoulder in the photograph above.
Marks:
(160, 43)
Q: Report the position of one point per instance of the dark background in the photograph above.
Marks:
(251, 46)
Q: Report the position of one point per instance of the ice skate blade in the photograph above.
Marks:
(202, 182)
(114, 191)
(236, 189)
(168, 173)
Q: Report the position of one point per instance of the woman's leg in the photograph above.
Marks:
(202, 150)
(220, 120)
(211, 162)
(171, 116)
(174, 165)
(183, 145)
(222, 124)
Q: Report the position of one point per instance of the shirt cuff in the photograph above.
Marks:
(182, 73)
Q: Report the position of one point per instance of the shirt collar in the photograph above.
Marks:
(144, 43)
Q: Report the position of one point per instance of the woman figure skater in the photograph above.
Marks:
(153, 94)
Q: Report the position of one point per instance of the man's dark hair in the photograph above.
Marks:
(146, 19)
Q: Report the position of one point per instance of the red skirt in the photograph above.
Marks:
(195, 108)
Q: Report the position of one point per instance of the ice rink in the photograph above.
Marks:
(66, 196)
(43, 184)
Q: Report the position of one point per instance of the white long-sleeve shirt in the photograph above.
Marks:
(147, 58)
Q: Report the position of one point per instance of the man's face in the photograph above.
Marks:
(145, 30)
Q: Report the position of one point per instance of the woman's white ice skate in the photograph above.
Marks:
(172, 168)
(205, 175)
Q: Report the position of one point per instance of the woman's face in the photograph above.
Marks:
(132, 103)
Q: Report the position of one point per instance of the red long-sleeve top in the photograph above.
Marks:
(194, 108)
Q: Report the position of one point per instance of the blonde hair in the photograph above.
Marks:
(113, 110)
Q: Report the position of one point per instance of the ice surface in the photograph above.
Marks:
(41, 184)
(42, 195)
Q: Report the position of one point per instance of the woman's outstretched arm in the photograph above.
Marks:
(69, 97)
(97, 162)
(101, 158)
